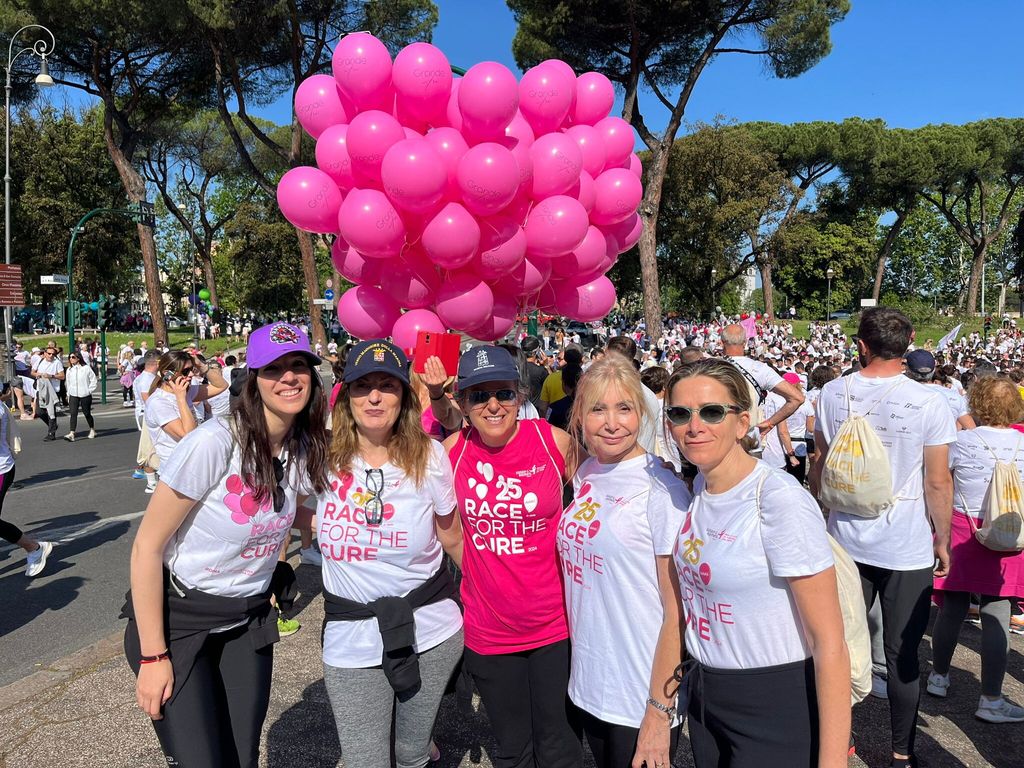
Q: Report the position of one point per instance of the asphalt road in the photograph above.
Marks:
(81, 496)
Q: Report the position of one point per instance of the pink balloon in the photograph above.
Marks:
(488, 178)
(502, 247)
(591, 146)
(450, 147)
(626, 232)
(618, 193)
(635, 166)
(488, 99)
(367, 312)
(568, 72)
(547, 296)
(545, 95)
(362, 67)
(557, 162)
(518, 140)
(423, 81)
(318, 104)
(520, 205)
(451, 238)
(526, 279)
(410, 133)
(584, 191)
(414, 175)
(464, 300)
(555, 225)
(452, 116)
(588, 301)
(370, 135)
(412, 281)
(409, 325)
(332, 156)
(371, 224)
(499, 322)
(586, 257)
(309, 199)
(618, 140)
(595, 96)
(353, 266)
(520, 129)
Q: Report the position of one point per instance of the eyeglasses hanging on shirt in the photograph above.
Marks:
(279, 494)
(374, 507)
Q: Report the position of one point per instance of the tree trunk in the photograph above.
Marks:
(211, 280)
(767, 294)
(977, 270)
(649, 208)
(886, 251)
(312, 285)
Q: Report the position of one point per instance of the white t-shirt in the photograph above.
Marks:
(6, 453)
(773, 452)
(797, 425)
(957, 402)
(140, 387)
(162, 408)
(733, 570)
(648, 437)
(622, 517)
(228, 544)
(364, 563)
(972, 463)
(907, 417)
(765, 377)
(220, 404)
(52, 366)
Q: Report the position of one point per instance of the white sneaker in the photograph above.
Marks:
(999, 711)
(92, 434)
(70, 437)
(37, 559)
(938, 685)
(879, 687)
(311, 556)
(150, 488)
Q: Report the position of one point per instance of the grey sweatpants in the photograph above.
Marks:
(995, 637)
(363, 702)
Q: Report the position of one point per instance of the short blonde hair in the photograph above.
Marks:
(995, 401)
(610, 370)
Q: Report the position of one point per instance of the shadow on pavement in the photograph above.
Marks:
(51, 595)
(304, 734)
(49, 477)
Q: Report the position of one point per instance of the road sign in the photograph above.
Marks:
(12, 294)
(53, 279)
(329, 283)
(329, 294)
(323, 302)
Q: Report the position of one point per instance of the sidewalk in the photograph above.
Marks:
(81, 713)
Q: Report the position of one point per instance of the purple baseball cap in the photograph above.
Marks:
(270, 342)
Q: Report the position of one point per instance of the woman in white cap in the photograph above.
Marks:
(205, 560)
(392, 630)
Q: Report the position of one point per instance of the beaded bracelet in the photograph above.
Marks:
(154, 659)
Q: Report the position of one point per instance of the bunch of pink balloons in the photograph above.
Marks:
(463, 201)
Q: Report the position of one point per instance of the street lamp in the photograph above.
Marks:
(42, 49)
(829, 273)
(714, 293)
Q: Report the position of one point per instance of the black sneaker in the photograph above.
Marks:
(48, 438)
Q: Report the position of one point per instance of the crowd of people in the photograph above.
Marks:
(603, 542)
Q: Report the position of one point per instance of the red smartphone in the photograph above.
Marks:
(442, 345)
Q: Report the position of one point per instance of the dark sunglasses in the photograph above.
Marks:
(374, 507)
(480, 396)
(279, 494)
(710, 413)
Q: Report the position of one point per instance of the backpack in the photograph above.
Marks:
(857, 476)
(1002, 528)
(855, 613)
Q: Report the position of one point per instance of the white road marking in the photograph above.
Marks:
(69, 533)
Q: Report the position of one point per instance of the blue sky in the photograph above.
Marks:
(910, 62)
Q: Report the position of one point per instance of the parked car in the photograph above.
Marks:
(175, 322)
(588, 338)
(840, 315)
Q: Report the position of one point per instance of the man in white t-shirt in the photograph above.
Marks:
(921, 367)
(48, 372)
(896, 551)
(140, 389)
(765, 379)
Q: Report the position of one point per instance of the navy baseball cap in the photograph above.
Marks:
(920, 361)
(478, 365)
(375, 356)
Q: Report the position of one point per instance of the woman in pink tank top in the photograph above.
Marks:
(508, 483)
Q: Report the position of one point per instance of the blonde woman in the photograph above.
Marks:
(615, 544)
(763, 622)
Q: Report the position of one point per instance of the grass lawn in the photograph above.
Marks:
(178, 339)
(923, 333)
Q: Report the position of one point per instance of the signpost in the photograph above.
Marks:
(53, 279)
(12, 294)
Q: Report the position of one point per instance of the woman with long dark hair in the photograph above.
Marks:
(80, 381)
(205, 560)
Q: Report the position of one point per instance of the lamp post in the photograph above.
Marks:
(714, 293)
(42, 49)
(829, 273)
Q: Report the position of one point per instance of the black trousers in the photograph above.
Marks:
(754, 718)
(51, 423)
(8, 531)
(799, 471)
(614, 746)
(216, 718)
(905, 597)
(525, 697)
(85, 403)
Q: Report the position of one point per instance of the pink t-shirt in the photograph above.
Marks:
(510, 501)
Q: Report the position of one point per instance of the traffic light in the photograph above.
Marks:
(58, 313)
(106, 314)
(75, 313)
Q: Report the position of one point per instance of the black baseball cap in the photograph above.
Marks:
(478, 365)
(920, 362)
(376, 356)
(529, 344)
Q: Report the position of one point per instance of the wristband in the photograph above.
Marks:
(154, 659)
(438, 398)
(670, 711)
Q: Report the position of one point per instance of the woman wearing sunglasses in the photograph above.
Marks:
(508, 480)
(770, 680)
(205, 560)
(80, 381)
(615, 544)
(392, 632)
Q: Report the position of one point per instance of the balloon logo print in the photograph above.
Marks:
(705, 573)
(241, 501)
(593, 529)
